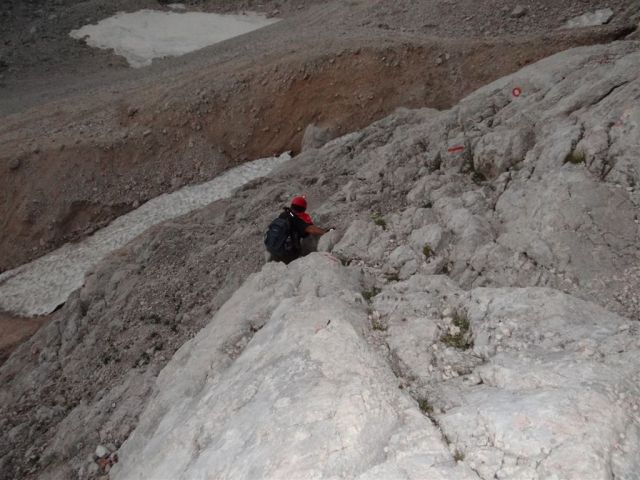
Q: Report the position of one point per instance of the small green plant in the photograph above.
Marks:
(379, 220)
(458, 456)
(478, 177)
(369, 294)
(105, 358)
(376, 324)
(427, 251)
(459, 340)
(576, 157)
(425, 406)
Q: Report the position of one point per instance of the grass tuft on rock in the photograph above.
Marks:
(478, 178)
(379, 220)
(427, 251)
(576, 157)
(369, 294)
(425, 406)
(460, 340)
(378, 325)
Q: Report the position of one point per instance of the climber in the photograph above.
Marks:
(283, 238)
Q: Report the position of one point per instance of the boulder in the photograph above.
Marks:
(303, 384)
(316, 136)
(362, 240)
(430, 235)
(501, 149)
(518, 12)
(592, 19)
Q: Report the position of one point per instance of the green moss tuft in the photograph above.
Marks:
(369, 294)
(425, 406)
(576, 157)
(379, 220)
(378, 325)
(478, 178)
(460, 340)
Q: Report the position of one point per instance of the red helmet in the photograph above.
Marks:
(299, 202)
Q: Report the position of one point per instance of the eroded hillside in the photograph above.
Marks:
(476, 311)
(474, 315)
(111, 140)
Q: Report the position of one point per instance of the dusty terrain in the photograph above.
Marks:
(83, 139)
(103, 141)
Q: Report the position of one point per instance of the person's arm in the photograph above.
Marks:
(313, 230)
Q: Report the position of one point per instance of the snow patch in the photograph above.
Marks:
(39, 287)
(147, 34)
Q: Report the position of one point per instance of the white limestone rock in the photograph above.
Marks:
(557, 393)
(547, 383)
(362, 240)
(500, 150)
(592, 19)
(305, 398)
(431, 235)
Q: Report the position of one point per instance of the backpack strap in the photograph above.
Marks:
(290, 216)
(292, 231)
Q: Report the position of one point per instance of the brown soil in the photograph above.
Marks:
(16, 330)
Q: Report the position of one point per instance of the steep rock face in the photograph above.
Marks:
(478, 234)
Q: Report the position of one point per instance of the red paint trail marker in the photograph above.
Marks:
(456, 149)
(516, 92)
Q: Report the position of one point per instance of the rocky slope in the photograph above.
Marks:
(474, 316)
(523, 381)
(102, 139)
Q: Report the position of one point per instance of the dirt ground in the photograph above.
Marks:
(37, 55)
(15, 330)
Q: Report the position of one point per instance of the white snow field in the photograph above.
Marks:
(147, 34)
(39, 287)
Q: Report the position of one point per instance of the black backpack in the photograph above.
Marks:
(281, 238)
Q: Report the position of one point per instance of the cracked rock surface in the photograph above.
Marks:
(490, 279)
(475, 315)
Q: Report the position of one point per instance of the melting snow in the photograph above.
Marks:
(147, 34)
(39, 287)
